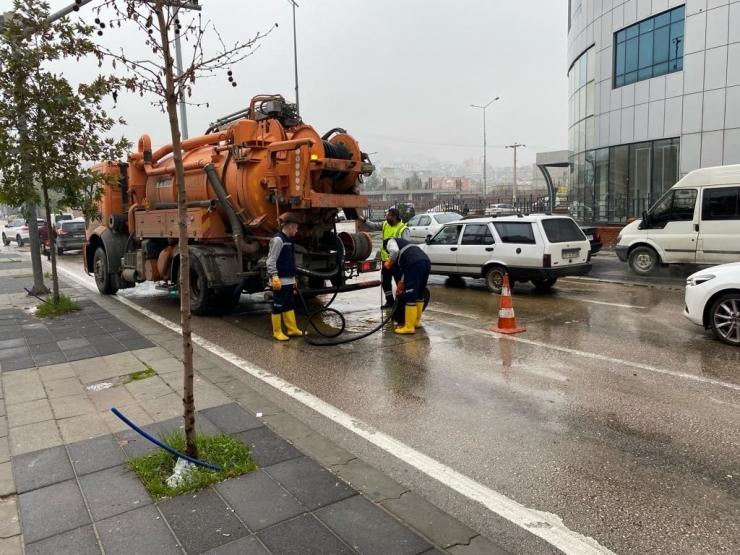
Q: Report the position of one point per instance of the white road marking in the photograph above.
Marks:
(605, 303)
(548, 526)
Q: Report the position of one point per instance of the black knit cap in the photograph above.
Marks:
(289, 219)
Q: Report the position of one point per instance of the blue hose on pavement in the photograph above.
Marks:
(167, 448)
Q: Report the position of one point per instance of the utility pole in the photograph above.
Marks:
(178, 60)
(514, 146)
(295, 58)
(485, 190)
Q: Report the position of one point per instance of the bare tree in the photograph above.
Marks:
(161, 21)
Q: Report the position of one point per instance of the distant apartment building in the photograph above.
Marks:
(654, 92)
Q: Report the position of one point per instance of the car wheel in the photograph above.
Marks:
(60, 251)
(495, 279)
(544, 284)
(102, 277)
(6, 241)
(724, 319)
(200, 294)
(19, 240)
(644, 261)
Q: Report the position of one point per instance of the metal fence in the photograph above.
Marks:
(604, 209)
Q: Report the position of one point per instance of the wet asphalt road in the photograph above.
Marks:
(612, 411)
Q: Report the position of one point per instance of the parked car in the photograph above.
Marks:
(17, 230)
(70, 235)
(594, 237)
(538, 248)
(713, 301)
(696, 222)
(423, 226)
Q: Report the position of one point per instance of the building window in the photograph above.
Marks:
(650, 48)
(581, 88)
(621, 182)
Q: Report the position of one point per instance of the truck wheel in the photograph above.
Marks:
(495, 279)
(200, 294)
(19, 240)
(725, 319)
(544, 284)
(6, 241)
(644, 261)
(102, 277)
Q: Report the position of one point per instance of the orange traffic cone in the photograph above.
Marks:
(506, 320)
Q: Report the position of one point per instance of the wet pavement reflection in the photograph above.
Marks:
(611, 411)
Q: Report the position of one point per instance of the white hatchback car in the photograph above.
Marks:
(538, 247)
(426, 225)
(713, 301)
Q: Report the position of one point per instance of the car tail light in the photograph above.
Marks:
(24, 228)
(547, 261)
(597, 236)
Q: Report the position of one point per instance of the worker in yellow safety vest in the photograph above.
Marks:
(392, 228)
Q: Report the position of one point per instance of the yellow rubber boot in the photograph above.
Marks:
(419, 310)
(290, 324)
(408, 326)
(277, 329)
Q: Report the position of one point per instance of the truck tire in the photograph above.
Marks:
(200, 294)
(100, 270)
(644, 261)
(495, 278)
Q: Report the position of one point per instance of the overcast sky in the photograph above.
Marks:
(398, 74)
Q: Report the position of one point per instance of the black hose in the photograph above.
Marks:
(332, 131)
(327, 307)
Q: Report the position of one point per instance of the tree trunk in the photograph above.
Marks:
(188, 398)
(52, 242)
(39, 288)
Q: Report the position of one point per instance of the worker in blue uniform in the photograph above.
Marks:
(281, 270)
(415, 267)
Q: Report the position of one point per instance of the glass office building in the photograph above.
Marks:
(654, 92)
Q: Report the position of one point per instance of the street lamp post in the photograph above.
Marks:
(485, 190)
(514, 147)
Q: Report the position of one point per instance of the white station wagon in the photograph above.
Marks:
(538, 248)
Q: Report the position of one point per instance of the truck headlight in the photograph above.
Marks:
(619, 238)
(698, 280)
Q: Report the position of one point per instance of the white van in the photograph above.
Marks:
(696, 222)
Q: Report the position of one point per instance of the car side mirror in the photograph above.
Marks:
(428, 240)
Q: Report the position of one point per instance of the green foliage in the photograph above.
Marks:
(50, 308)
(225, 451)
(50, 130)
(149, 372)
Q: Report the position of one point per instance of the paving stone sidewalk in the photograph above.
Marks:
(64, 488)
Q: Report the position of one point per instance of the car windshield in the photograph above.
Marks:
(562, 230)
(447, 217)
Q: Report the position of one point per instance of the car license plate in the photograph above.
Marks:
(571, 253)
(590, 237)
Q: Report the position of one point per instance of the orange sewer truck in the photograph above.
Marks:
(248, 170)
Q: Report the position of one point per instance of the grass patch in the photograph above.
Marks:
(50, 308)
(148, 372)
(23, 277)
(47, 275)
(228, 452)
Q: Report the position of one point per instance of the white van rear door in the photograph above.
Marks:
(719, 229)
